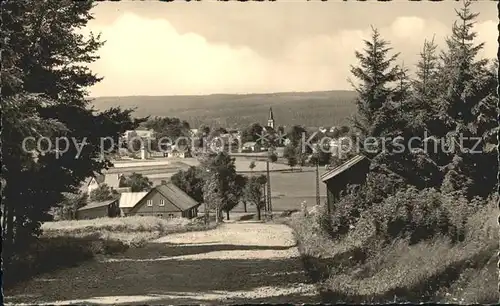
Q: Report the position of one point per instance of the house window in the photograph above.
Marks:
(150, 202)
(162, 202)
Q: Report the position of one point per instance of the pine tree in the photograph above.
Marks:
(376, 74)
(44, 91)
(402, 89)
(460, 68)
(467, 87)
(425, 85)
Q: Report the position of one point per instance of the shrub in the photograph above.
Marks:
(380, 184)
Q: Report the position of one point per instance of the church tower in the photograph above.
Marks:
(270, 120)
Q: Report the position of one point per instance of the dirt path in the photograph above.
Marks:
(235, 263)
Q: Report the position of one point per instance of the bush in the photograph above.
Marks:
(364, 266)
(381, 184)
(421, 215)
(416, 215)
(345, 214)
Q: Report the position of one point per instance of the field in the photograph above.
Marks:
(309, 109)
(129, 230)
(288, 189)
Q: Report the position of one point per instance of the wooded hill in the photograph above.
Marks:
(325, 108)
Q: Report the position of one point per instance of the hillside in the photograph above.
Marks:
(324, 108)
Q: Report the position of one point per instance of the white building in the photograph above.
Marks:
(251, 146)
(146, 134)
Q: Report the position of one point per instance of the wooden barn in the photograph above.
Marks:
(165, 201)
(352, 172)
(99, 210)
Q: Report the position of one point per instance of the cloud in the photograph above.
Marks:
(150, 57)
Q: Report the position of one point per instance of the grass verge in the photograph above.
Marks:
(68, 243)
(360, 269)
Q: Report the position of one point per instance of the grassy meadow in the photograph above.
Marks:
(132, 231)
(68, 243)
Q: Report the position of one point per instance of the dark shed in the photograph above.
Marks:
(352, 172)
(99, 210)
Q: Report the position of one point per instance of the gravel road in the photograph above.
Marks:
(236, 263)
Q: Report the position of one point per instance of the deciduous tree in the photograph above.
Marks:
(253, 192)
(102, 193)
(137, 182)
(191, 182)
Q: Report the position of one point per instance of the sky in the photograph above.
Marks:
(198, 48)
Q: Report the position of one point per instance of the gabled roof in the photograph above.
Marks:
(123, 189)
(112, 180)
(99, 178)
(338, 170)
(172, 193)
(176, 196)
(130, 199)
(96, 204)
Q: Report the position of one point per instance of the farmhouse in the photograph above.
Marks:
(251, 146)
(165, 200)
(99, 210)
(112, 180)
(352, 172)
(145, 134)
(175, 152)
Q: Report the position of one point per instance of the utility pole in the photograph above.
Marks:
(269, 204)
(264, 199)
(207, 212)
(318, 201)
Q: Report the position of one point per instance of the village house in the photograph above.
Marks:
(251, 146)
(174, 152)
(165, 201)
(193, 132)
(112, 180)
(145, 134)
(352, 172)
(95, 210)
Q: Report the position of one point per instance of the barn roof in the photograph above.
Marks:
(338, 170)
(171, 192)
(130, 199)
(175, 195)
(112, 180)
(92, 205)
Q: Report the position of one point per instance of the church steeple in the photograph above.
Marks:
(270, 120)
